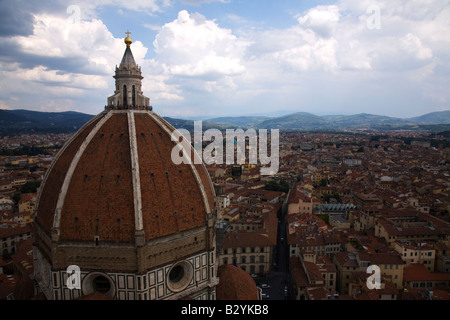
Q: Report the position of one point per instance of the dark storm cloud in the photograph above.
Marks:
(16, 16)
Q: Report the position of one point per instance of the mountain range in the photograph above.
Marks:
(16, 121)
(309, 121)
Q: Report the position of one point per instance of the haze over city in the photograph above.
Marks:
(227, 58)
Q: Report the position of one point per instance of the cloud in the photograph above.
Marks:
(90, 8)
(62, 58)
(89, 40)
(15, 19)
(158, 84)
(200, 2)
(193, 46)
(331, 59)
(321, 19)
(4, 105)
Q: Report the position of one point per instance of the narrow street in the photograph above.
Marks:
(277, 285)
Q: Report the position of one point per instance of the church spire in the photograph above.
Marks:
(128, 93)
(128, 59)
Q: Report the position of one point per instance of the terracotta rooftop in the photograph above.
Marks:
(298, 272)
(418, 272)
(8, 232)
(317, 293)
(440, 295)
(313, 272)
(7, 285)
(241, 238)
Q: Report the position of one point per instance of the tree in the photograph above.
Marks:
(335, 195)
(16, 197)
(273, 185)
(324, 217)
(30, 187)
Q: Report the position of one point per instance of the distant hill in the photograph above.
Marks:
(243, 121)
(362, 119)
(308, 121)
(299, 120)
(26, 121)
(441, 117)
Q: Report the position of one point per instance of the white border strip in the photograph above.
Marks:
(73, 165)
(135, 173)
(165, 126)
(58, 155)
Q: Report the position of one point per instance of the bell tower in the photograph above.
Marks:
(128, 93)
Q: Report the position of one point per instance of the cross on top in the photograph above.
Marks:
(128, 33)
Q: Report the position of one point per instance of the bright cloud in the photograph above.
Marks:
(321, 19)
(89, 40)
(193, 46)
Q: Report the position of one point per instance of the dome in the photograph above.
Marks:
(116, 213)
(235, 284)
(116, 177)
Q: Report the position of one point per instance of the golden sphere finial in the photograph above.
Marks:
(128, 40)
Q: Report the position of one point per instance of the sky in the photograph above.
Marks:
(211, 58)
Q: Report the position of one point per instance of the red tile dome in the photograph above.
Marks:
(115, 178)
(235, 284)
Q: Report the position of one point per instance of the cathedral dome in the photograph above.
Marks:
(117, 214)
(115, 178)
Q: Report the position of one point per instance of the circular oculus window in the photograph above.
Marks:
(98, 282)
(179, 276)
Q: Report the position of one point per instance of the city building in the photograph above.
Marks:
(417, 252)
(251, 249)
(418, 277)
(348, 264)
(11, 236)
(411, 225)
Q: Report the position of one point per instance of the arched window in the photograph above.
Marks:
(125, 99)
(133, 96)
